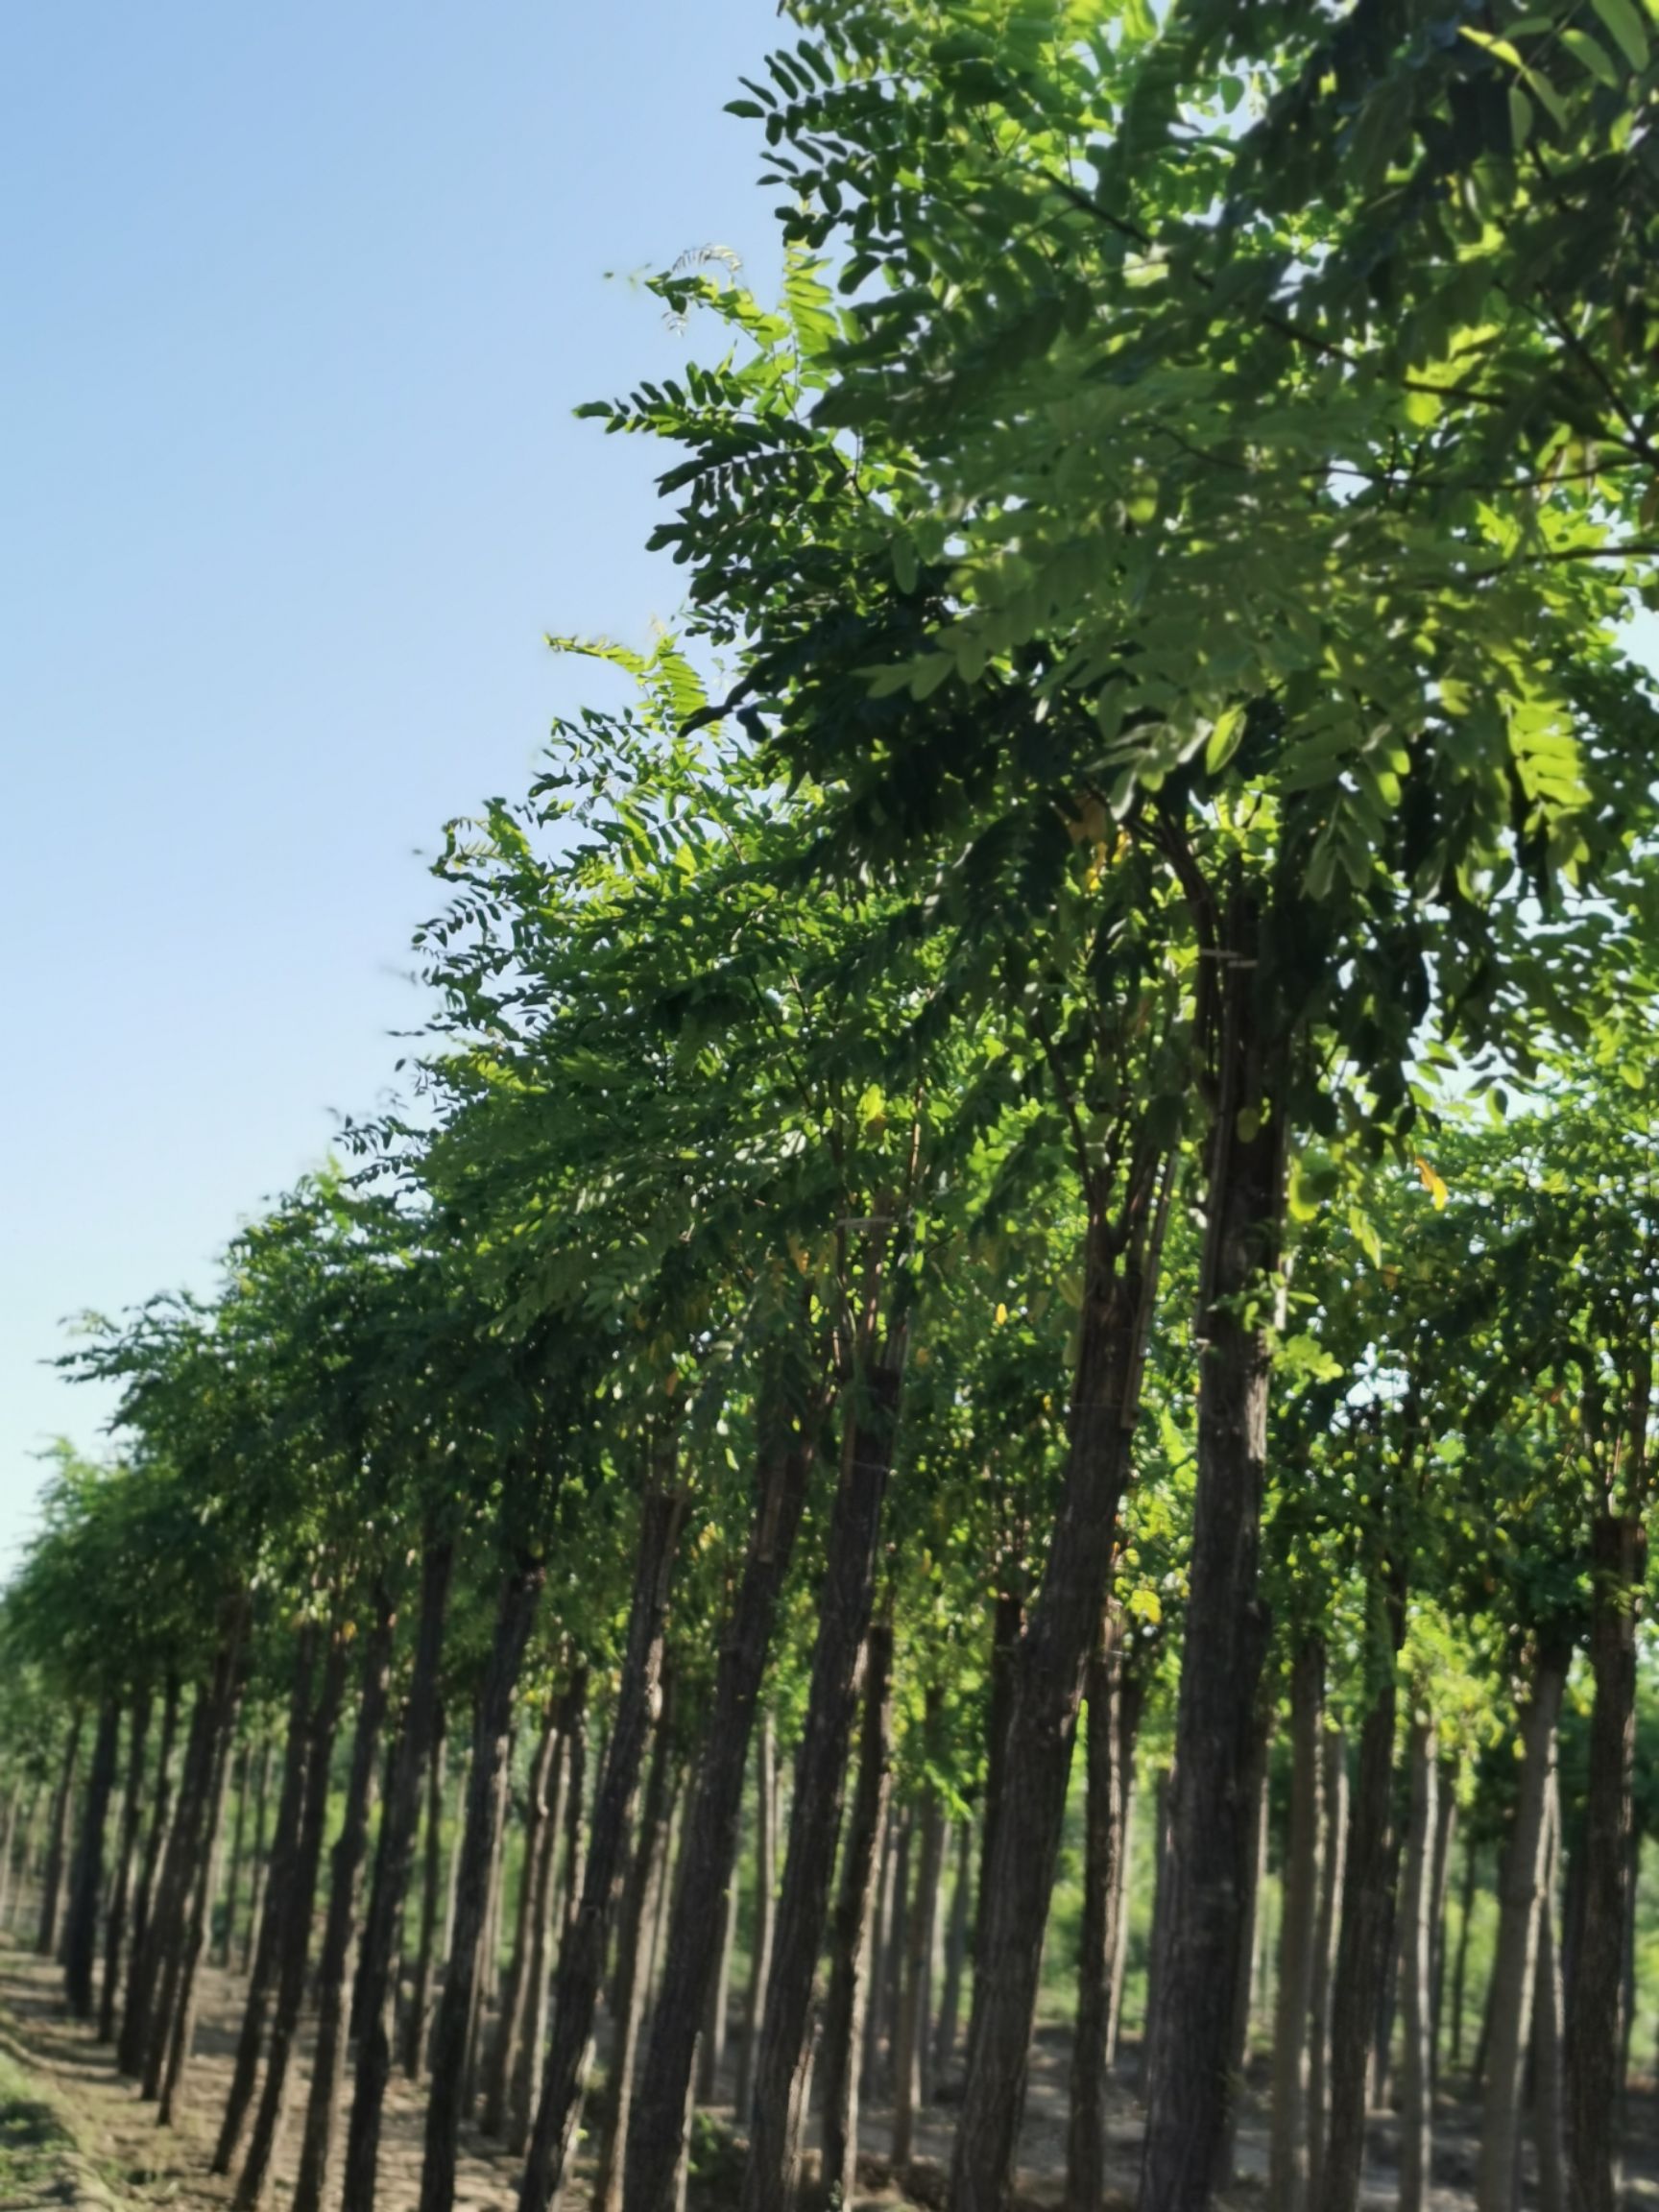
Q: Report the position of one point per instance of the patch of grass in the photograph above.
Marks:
(35, 2144)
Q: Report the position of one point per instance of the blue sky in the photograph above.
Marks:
(298, 302)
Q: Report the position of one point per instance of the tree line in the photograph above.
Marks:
(1045, 1128)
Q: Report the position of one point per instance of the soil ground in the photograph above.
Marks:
(49, 2065)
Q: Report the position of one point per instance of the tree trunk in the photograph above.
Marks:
(419, 1732)
(1445, 1830)
(130, 2048)
(258, 1856)
(126, 1849)
(164, 1939)
(1359, 1960)
(182, 1989)
(1517, 1954)
(853, 1927)
(510, 2035)
(564, 1828)
(1252, 1952)
(334, 1972)
(57, 1843)
(699, 1941)
(1120, 1915)
(1592, 2070)
(1288, 2161)
(765, 1906)
(582, 1956)
(1007, 1634)
(647, 1877)
(711, 2047)
(174, 1933)
(515, 1614)
(1109, 1747)
(912, 2024)
(1333, 1849)
(1160, 1891)
(273, 1911)
(1190, 2084)
(877, 1970)
(1022, 1841)
(293, 1937)
(1461, 1967)
(950, 2019)
(434, 1902)
(1417, 1914)
(7, 1846)
(1549, 2123)
(238, 1844)
(845, 1600)
(80, 1934)
(897, 1947)
(486, 1989)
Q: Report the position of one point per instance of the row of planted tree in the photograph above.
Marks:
(1049, 1117)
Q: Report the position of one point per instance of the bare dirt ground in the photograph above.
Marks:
(130, 2160)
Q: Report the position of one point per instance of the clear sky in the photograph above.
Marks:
(297, 303)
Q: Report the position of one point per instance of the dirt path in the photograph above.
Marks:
(145, 2164)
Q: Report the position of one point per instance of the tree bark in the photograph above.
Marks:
(292, 1936)
(1549, 2120)
(434, 1902)
(488, 1970)
(126, 1849)
(130, 2048)
(258, 1857)
(80, 1934)
(7, 1846)
(1109, 1748)
(1360, 1960)
(564, 1830)
(912, 2024)
(646, 1879)
(845, 1601)
(417, 1733)
(1593, 2047)
(273, 1911)
(854, 1926)
(238, 1845)
(582, 1956)
(515, 1614)
(180, 1989)
(1212, 1814)
(699, 1941)
(504, 2053)
(1517, 1955)
(711, 2047)
(57, 1843)
(1288, 2160)
(175, 1935)
(158, 1969)
(1024, 1840)
(1333, 1849)
(897, 1947)
(334, 1971)
(1459, 1970)
(1445, 1830)
(1159, 1890)
(1417, 1912)
(765, 1906)
(1007, 1635)
(1251, 1930)
(948, 2026)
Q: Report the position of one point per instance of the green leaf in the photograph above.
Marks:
(1593, 55)
(1520, 118)
(1624, 26)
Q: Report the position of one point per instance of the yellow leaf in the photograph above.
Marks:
(1002, 1315)
(1432, 1183)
